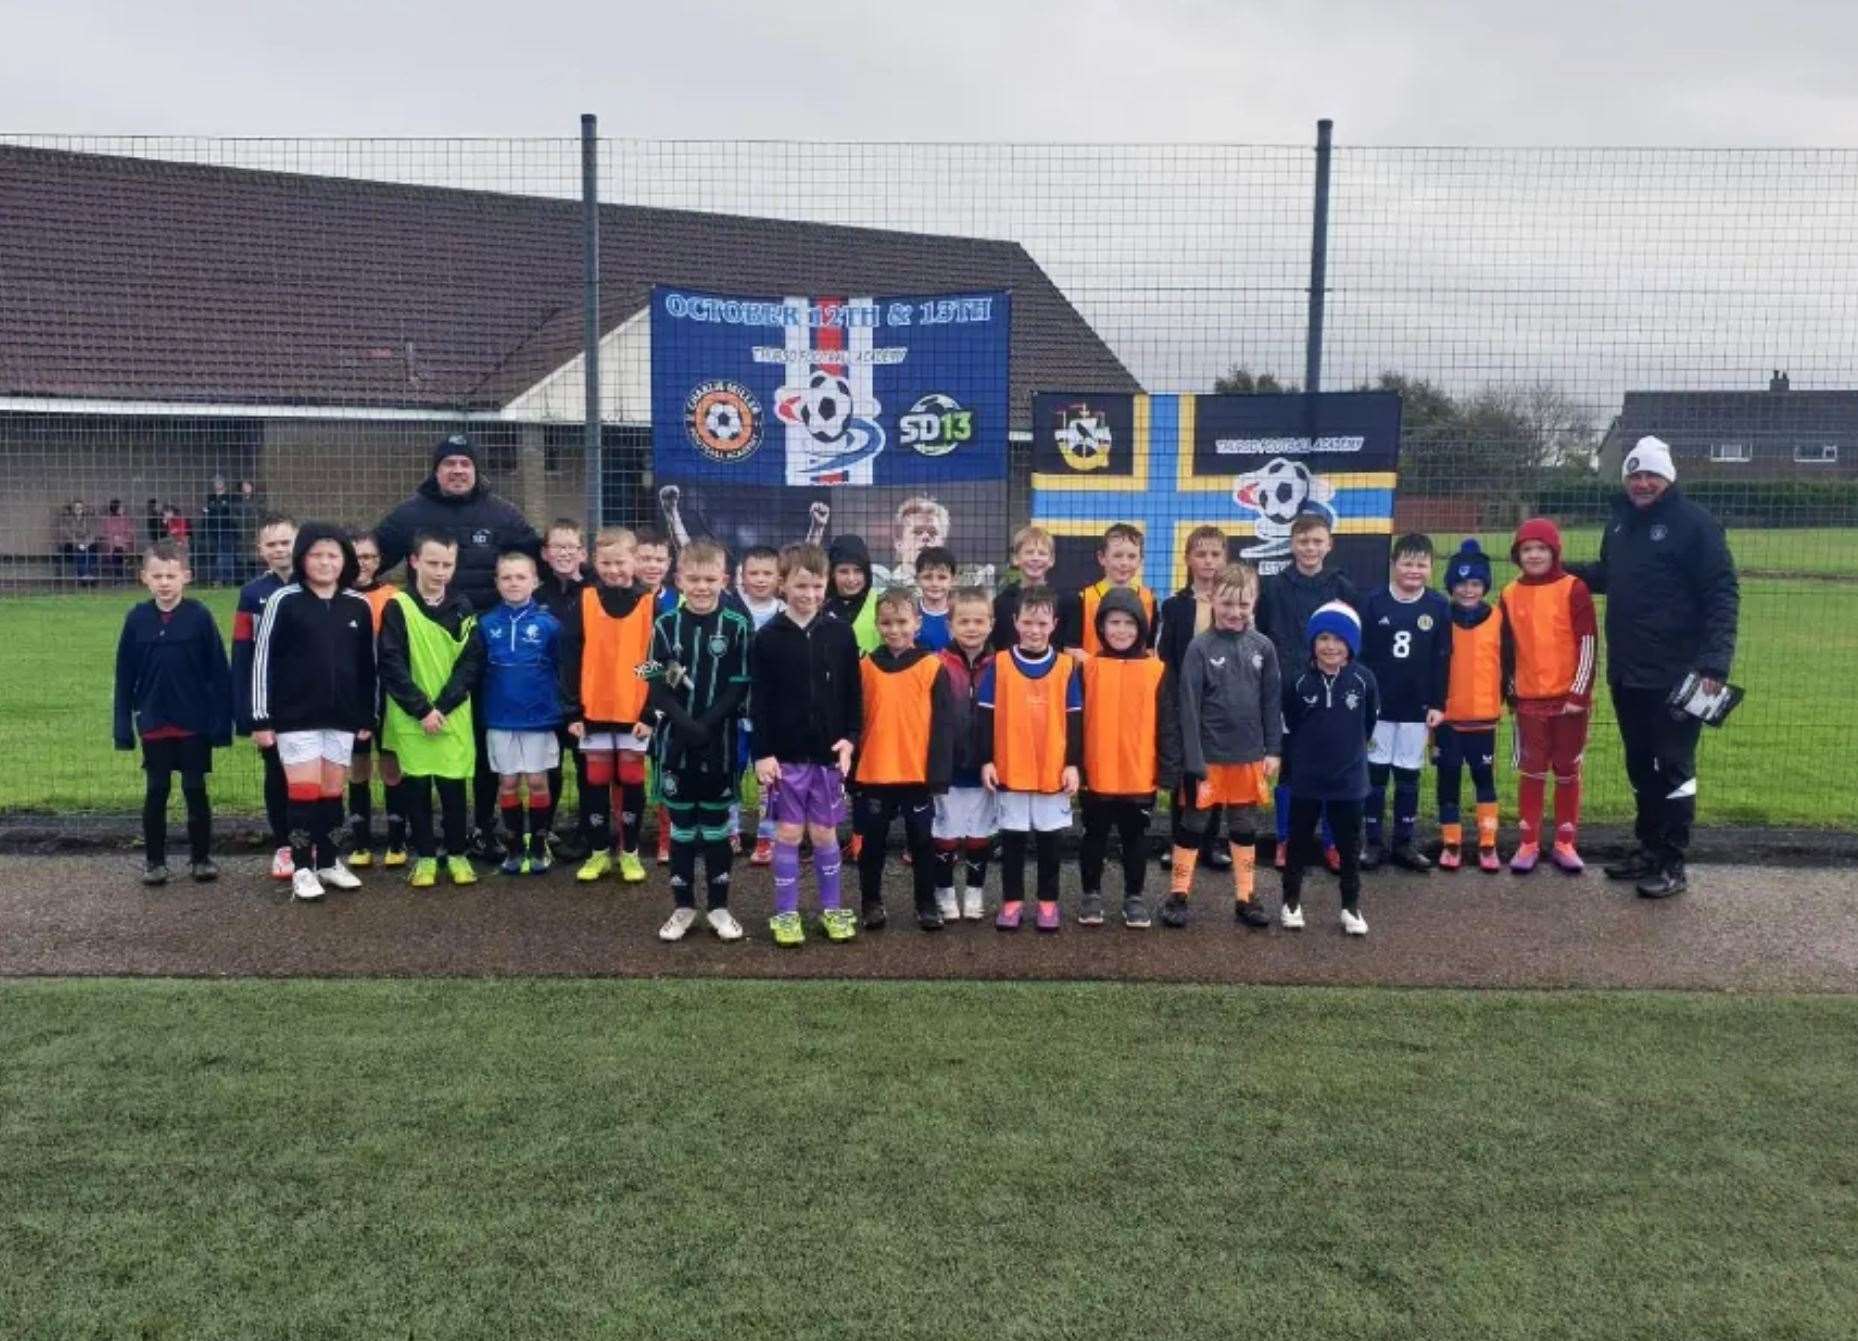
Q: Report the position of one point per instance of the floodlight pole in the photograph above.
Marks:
(1319, 262)
(590, 353)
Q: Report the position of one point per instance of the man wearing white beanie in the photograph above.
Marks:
(1671, 608)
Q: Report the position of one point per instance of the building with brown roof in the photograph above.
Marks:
(164, 322)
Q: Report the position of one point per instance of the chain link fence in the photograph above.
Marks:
(196, 332)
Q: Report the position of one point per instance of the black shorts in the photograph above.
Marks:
(712, 787)
(178, 754)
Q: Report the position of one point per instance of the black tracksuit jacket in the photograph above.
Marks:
(804, 692)
(313, 663)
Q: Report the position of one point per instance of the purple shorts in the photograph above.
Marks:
(808, 794)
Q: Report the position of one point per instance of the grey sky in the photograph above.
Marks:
(1691, 72)
(1602, 271)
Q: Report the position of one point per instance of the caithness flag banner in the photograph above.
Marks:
(1246, 464)
(789, 418)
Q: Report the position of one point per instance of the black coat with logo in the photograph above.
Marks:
(483, 524)
(1671, 593)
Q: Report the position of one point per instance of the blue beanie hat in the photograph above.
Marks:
(1469, 564)
(1339, 619)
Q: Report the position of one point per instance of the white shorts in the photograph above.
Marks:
(521, 751)
(1402, 744)
(966, 812)
(1026, 812)
(305, 747)
(614, 740)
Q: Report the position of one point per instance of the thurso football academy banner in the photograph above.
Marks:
(1246, 464)
(789, 418)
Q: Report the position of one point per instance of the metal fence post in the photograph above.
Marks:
(595, 482)
(1319, 262)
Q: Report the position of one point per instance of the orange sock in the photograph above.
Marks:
(1486, 823)
(1185, 859)
(1244, 870)
(1452, 835)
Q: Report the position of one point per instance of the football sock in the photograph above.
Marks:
(361, 807)
(1529, 793)
(1486, 823)
(718, 857)
(976, 851)
(1244, 868)
(786, 870)
(1405, 804)
(1181, 878)
(826, 871)
(1567, 808)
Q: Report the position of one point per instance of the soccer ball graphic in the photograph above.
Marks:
(1278, 493)
(825, 408)
(723, 421)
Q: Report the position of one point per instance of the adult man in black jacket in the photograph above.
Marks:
(1672, 601)
(454, 501)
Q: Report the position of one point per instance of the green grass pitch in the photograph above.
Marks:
(1785, 759)
(716, 1159)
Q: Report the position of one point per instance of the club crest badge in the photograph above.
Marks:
(1083, 437)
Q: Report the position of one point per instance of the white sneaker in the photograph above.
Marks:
(971, 907)
(305, 885)
(1354, 923)
(339, 875)
(947, 904)
(677, 924)
(1291, 919)
(282, 867)
(723, 923)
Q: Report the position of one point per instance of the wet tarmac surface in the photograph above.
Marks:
(1740, 928)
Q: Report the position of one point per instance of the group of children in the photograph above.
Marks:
(973, 717)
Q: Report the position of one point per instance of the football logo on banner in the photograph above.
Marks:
(723, 420)
(936, 425)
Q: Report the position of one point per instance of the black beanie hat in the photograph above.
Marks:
(455, 445)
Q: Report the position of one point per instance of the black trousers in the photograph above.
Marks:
(1306, 848)
(277, 798)
(1661, 761)
(418, 794)
(485, 784)
(873, 809)
(1129, 817)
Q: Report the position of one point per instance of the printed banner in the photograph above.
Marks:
(781, 419)
(1246, 464)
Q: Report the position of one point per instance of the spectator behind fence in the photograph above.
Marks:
(217, 556)
(116, 536)
(77, 542)
(176, 527)
(153, 523)
(1672, 605)
(247, 508)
